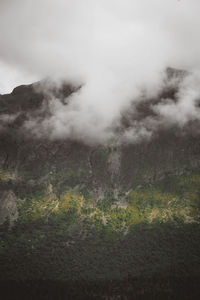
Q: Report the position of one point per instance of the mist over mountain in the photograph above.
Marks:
(99, 149)
(116, 51)
(50, 110)
(144, 134)
(100, 216)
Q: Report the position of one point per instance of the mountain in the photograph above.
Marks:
(98, 221)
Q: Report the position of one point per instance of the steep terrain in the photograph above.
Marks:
(105, 218)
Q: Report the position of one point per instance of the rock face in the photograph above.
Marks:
(97, 212)
(8, 207)
(29, 164)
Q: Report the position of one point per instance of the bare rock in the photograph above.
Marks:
(8, 207)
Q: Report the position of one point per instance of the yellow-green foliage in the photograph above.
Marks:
(5, 175)
(177, 199)
(149, 197)
(47, 204)
(119, 219)
(38, 207)
(70, 200)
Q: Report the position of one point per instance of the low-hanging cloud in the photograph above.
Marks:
(114, 49)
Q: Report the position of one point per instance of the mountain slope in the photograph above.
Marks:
(103, 216)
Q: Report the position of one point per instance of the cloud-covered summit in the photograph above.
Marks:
(116, 50)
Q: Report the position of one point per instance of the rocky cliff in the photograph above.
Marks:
(70, 210)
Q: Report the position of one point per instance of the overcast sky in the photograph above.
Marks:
(78, 38)
(113, 47)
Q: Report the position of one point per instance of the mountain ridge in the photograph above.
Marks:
(101, 215)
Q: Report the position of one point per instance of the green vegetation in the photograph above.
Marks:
(49, 250)
(70, 235)
(176, 199)
(6, 175)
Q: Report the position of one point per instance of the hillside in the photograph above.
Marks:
(109, 219)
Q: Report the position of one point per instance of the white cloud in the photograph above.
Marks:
(186, 107)
(113, 47)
